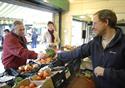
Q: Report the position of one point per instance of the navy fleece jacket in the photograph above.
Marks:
(112, 58)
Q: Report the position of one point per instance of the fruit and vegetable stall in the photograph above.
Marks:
(43, 73)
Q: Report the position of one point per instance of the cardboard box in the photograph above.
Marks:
(47, 83)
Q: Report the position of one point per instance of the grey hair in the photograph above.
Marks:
(17, 22)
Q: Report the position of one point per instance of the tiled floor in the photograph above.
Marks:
(38, 49)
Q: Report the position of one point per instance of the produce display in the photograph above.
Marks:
(49, 57)
(31, 85)
(18, 79)
(45, 60)
(36, 74)
(50, 52)
(42, 74)
(25, 83)
(27, 68)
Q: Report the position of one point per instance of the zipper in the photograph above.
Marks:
(103, 56)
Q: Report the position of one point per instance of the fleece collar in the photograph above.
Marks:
(114, 41)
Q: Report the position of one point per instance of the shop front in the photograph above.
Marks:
(42, 73)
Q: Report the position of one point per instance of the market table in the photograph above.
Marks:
(65, 77)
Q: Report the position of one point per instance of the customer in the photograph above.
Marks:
(50, 37)
(107, 51)
(15, 52)
(34, 38)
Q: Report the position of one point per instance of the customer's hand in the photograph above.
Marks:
(99, 71)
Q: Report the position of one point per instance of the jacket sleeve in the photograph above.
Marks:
(15, 48)
(79, 53)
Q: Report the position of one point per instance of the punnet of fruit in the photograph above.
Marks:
(45, 60)
(25, 83)
(27, 68)
(31, 85)
(42, 74)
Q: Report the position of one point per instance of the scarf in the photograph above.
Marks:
(52, 35)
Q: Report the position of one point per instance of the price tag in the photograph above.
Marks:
(67, 73)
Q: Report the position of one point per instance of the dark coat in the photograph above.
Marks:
(15, 52)
(112, 58)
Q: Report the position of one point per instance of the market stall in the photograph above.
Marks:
(45, 73)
